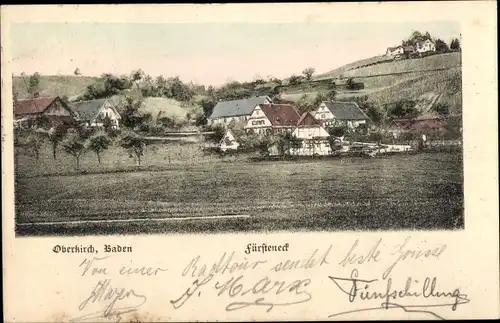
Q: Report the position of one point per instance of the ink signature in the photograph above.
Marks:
(103, 292)
(361, 290)
(236, 287)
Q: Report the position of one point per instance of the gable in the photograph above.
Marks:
(57, 108)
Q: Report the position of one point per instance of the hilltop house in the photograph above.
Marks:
(53, 109)
(313, 135)
(272, 118)
(425, 46)
(93, 113)
(236, 110)
(340, 113)
(394, 51)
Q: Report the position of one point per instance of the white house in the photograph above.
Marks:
(425, 46)
(228, 142)
(272, 118)
(394, 51)
(225, 112)
(314, 137)
(340, 113)
(93, 113)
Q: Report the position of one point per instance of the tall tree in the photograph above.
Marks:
(455, 45)
(135, 145)
(441, 46)
(56, 136)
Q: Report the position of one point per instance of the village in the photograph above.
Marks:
(165, 148)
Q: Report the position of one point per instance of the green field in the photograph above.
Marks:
(413, 192)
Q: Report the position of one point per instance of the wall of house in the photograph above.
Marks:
(323, 114)
(312, 147)
(57, 109)
(258, 122)
(107, 111)
(310, 132)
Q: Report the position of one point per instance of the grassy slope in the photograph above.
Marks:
(406, 79)
(69, 86)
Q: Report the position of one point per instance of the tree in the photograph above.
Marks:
(441, 46)
(455, 45)
(294, 80)
(131, 118)
(98, 143)
(33, 83)
(308, 73)
(263, 144)
(56, 136)
(34, 142)
(136, 76)
(77, 71)
(331, 95)
(134, 144)
(74, 145)
(337, 131)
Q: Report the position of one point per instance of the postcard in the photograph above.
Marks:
(250, 162)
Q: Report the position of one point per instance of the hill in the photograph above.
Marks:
(431, 80)
(52, 85)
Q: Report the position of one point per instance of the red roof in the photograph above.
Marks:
(420, 124)
(32, 106)
(307, 120)
(280, 115)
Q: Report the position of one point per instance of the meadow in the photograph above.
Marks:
(411, 192)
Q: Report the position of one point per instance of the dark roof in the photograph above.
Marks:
(280, 114)
(408, 48)
(308, 120)
(87, 110)
(393, 48)
(237, 107)
(32, 106)
(346, 110)
(420, 124)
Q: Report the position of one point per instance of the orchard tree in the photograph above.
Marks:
(34, 142)
(56, 136)
(74, 145)
(98, 143)
(135, 145)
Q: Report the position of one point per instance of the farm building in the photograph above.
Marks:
(272, 118)
(93, 113)
(225, 112)
(52, 109)
(425, 46)
(313, 135)
(426, 126)
(340, 113)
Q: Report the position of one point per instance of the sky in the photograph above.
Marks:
(206, 53)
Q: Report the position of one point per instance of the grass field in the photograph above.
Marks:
(412, 192)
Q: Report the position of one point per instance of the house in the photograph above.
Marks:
(272, 118)
(93, 113)
(340, 113)
(52, 109)
(314, 138)
(408, 50)
(418, 126)
(394, 51)
(425, 46)
(228, 142)
(236, 110)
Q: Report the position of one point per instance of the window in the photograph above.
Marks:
(323, 116)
